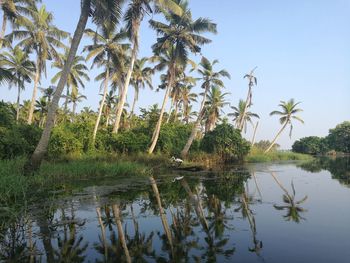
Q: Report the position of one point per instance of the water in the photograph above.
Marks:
(256, 213)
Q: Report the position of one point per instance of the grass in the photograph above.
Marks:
(17, 190)
(258, 156)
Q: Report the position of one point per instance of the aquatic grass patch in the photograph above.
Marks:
(257, 156)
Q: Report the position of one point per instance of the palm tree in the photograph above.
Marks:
(107, 48)
(252, 80)
(41, 36)
(100, 11)
(133, 18)
(180, 35)
(240, 116)
(20, 67)
(12, 10)
(216, 101)
(41, 108)
(186, 97)
(76, 76)
(111, 100)
(210, 78)
(287, 114)
(48, 93)
(141, 77)
(74, 98)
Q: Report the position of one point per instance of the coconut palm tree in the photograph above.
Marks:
(216, 101)
(21, 69)
(186, 98)
(48, 93)
(210, 78)
(41, 108)
(289, 109)
(133, 18)
(42, 37)
(180, 35)
(74, 98)
(252, 80)
(77, 74)
(239, 114)
(107, 48)
(141, 77)
(100, 11)
(12, 11)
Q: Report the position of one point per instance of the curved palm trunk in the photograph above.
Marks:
(176, 110)
(74, 108)
(66, 100)
(127, 80)
(159, 123)
(254, 134)
(41, 148)
(3, 28)
(116, 212)
(276, 137)
(189, 142)
(103, 232)
(162, 213)
(35, 90)
(101, 105)
(17, 104)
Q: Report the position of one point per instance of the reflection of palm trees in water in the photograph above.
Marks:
(293, 207)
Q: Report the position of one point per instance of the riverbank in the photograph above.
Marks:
(256, 156)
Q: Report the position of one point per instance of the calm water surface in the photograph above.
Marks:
(256, 213)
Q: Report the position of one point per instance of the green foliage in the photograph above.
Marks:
(258, 156)
(339, 137)
(310, 145)
(227, 142)
(132, 141)
(16, 139)
(264, 144)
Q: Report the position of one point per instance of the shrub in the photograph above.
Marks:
(310, 145)
(227, 142)
(339, 137)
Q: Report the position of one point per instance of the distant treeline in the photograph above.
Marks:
(337, 141)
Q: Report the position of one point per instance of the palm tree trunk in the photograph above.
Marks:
(107, 118)
(74, 108)
(101, 105)
(116, 212)
(189, 142)
(41, 148)
(18, 101)
(35, 90)
(136, 96)
(276, 137)
(170, 109)
(66, 100)
(247, 102)
(103, 232)
(3, 29)
(159, 123)
(127, 80)
(162, 212)
(254, 134)
(176, 110)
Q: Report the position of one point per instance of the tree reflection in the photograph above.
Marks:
(292, 207)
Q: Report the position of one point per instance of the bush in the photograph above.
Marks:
(310, 145)
(339, 138)
(227, 142)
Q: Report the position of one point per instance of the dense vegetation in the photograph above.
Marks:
(43, 128)
(338, 140)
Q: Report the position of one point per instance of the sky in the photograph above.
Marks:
(300, 47)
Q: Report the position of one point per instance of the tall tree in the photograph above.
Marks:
(289, 109)
(12, 11)
(105, 51)
(133, 18)
(240, 115)
(141, 77)
(41, 108)
(186, 97)
(209, 78)
(252, 80)
(48, 93)
(42, 37)
(213, 108)
(75, 97)
(180, 35)
(100, 11)
(21, 68)
(76, 77)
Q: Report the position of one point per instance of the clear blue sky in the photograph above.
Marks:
(301, 48)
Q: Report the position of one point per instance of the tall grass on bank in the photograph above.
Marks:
(258, 156)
